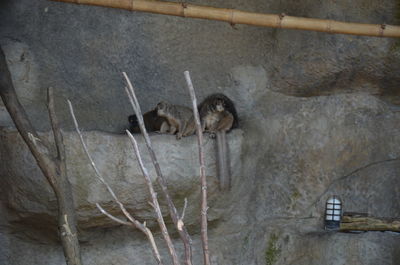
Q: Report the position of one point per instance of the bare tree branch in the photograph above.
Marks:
(58, 138)
(204, 208)
(145, 230)
(180, 221)
(184, 209)
(53, 168)
(67, 217)
(184, 235)
(154, 203)
(133, 222)
(112, 217)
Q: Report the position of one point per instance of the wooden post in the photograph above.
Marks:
(233, 16)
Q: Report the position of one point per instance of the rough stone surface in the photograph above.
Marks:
(81, 52)
(319, 116)
(29, 196)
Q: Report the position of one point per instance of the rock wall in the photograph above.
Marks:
(319, 116)
(32, 208)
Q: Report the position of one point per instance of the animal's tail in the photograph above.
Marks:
(223, 161)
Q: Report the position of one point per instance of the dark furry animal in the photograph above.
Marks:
(152, 122)
(218, 116)
(209, 106)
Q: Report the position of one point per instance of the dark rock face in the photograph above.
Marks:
(318, 114)
(81, 52)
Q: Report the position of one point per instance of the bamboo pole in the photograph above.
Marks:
(248, 18)
(368, 223)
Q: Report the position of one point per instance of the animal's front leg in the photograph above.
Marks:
(182, 127)
(203, 125)
(172, 129)
(164, 127)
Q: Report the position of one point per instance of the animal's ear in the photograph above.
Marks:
(161, 104)
(131, 118)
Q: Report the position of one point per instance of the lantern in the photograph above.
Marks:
(333, 213)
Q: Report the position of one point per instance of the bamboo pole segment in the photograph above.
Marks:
(368, 223)
(233, 16)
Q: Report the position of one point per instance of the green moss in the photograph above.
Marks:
(273, 250)
(296, 195)
(246, 240)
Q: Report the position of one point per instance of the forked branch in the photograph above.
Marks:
(52, 166)
(132, 221)
(178, 222)
(154, 200)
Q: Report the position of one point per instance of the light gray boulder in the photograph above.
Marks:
(29, 195)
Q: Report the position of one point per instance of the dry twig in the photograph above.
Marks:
(184, 235)
(133, 222)
(154, 203)
(204, 208)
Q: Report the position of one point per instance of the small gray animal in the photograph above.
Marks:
(180, 118)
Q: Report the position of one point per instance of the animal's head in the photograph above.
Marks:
(133, 120)
(162, 107)
(219, 105)
(134, 124)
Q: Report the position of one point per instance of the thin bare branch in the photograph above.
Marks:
(184, 235)
(154, 248)
(112, 217)
(204, 208)
(134, 222)
(155, 203)
(142, 228)
(180, 221)
(184, 209)
(97, 172)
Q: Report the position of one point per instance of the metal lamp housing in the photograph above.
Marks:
(333, 213)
